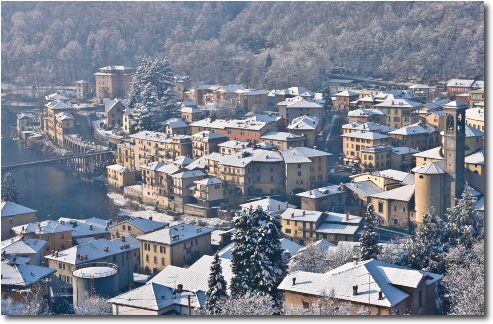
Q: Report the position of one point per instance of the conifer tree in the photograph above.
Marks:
(9, 188)
(268, 262)
(217, 292)
(244, 242)
(268, 63)
(369, 238)
(326, 96)
(464, 224)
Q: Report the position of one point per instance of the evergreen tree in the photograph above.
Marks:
(369, 238)
(217, 292)
(244, 244)
(268, 262)
(427, 250)
(9, 188)
(326, 96)
(464, 224)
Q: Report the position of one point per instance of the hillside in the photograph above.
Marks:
(228, 42)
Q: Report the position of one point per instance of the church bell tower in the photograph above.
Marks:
(454, 151)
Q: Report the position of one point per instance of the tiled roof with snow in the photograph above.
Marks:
(398, 103)
(158, 136)
(347, 93)
(206, 136)
(181, 160)
(267, 204)
(56, 105)
(342, 229)
(304, 123)
(22, 245)
(434, 153)
(82, 227)
(94, 250)
(45, 227)
(380, 276)
(460, 83)
(190, 110)
(287, 246)
(297, 91)
(366, 112)
(301, 154)
(321, 192)
(120, 168)
(264, 118)
(266, 145)
(23, 275)
(209, 181)
(188, 174)
(12, 209)
(370, 126)
(366, 135)
(363, 188)
(179, 232)
(475, 158)
(234, 144)
(430, 168)
(475, 114)
(301, 215)
(146, 225)
(341, 218)
(176, 123)
(413, 129)
(404, 150)
(246, 156)
(404, 193)
(280, 136)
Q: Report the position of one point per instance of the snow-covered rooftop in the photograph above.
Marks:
(119, 168)
(267, 204)
(23, 275)
(366, 135)
(475, 158)
(404, 193)
(413, 130)
(206, 136)
(45, 227)
(404, 150)
(146, 225)
(301, 215)
(175, 234)
(176, 123)
(234, 144)
(434, 153)
(304, 123)
(280, 136)
(460, 83)
(12, 209)
(370, 126)
(209, 181)
(332, 228)
(366, 112)
(430, 168)
(475, 114)
(287, 246)
(86, 227)
(363, 188)
(158, 136)
(22, 245)
(321, 192)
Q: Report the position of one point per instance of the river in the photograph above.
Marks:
(55, 192)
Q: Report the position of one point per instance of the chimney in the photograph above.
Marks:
(116, 221)
(105, 248)
(56, 254)
(294, 281)
(85, 256)
(287, 205)
(292, 215)
(52, 253)
(355, 290)
(347, 217)
(278, 207)
(182, 226)
(355, 260)
(304, 213)
(122, 238)
(180, 288)
(380, 295)
(150, 217)
(90, 227)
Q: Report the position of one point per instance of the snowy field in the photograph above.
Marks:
(145, 211)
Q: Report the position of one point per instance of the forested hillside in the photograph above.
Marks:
(228, 42)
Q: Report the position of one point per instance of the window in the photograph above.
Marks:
(62, 236)
(162, 261)
(129, 228)
(395, 208)
(288, 231)
(147, 258)
(299, 174)
(380, 207)
(155, 259)
(306, 304)
(395, 221)
(299, 165)
(162, 249)
(123, 227)
(420, 298)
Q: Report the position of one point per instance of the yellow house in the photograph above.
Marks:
(209, 191)
(177, 126)
(58, 236)
(53, 108)
(475, 118)
(120, 176)
(364, 115)
(395, 207)
(14, 215)
(305, 126)
(353, 144)
(124, 155)
(419, 136)
(64, 125)
(299, 225)
(157, 183)
(400, 112)
(113, 109)
(191, 114)
(178, 245)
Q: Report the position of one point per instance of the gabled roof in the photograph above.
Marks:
(413, 129)
(182, 232)
(12, 209)
(304, 123)
(366, 135)
(434, 153)
(332, 228)
(264, 118)
(94, 251)
(475, 114)
(22, 245)
(379, 276)
(430, 168)
(86, 227)
(287, 246)
(301, 154)
(23, 275)
(363, 188)
(321, 192)
(280, 136)
(398, 103)
(475, 158)
(301, 215)
(54, 105)
(404, 193)
(454, 105)
(152, 165)
(460, 83)
(366, 112)
(188, 174)
(300, 102)
(370, 126)
(268, 204)
(234, 144)
(347, 93)
(120, 168)
(208, 181)
(146, 225)
(404, 150)
(180, 161)
(45, 227)
(394, 174)
(206, 136)
(176, 123)
(108, 104)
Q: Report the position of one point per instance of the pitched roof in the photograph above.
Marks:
(370, 126)
(460, 83)
(301, 154)
(179, 232)
(331, 228)
(12, 209)
(120, 168)
(398, 103)
(234, 144)
(454, 105)
(404, 150)
(394, 174)
(413, 129)
(22, 245)
(287, 246)
(434, 153)
(146, 225)
(347, 93)
(475, 114)
(94, 251)
(209, 181)
(341, 218)
(404, 193)
(363, 188)
(280, 136)
(267, 204)
(366, 135)
(472, 131)
(206, 135)
(304, 123)
(475, 158)
(45, 227)
(366, 112)
(23, 275)
(158, 136)
(176, 123)
(321, 192)
(380, 276)
(188, 174)
(430, 168)
(301, 215)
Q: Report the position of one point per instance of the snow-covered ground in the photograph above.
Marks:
(145, 211)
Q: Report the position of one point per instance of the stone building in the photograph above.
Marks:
(14, 215)
(113, 81)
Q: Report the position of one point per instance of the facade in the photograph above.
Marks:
(363, 115)
(387, 289)
(14, 215)
(64, 125)
(25, 121)
(284, 140)
(120, 176)
(475, 118)
(395, 207)
(375, 145)
(419, 136)
(209, 192)
(182, 83)
(157, 183)
(58, 236)
(250, 99)
(191, 114)
(328, 198)
(53, 108)
(400, 112)
(82, 89)
(124, 155)
(113, 109)
(177, 126)
(300, 106)
(113, 81)
(206, 142)
(343, 100)
(178, 245)
(305, 126)
(475, 97)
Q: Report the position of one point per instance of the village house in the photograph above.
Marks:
(124, 155)
(353, 144)
(102, 251)
(178, 245)
(458, 86)
(113, 81)
(366, 127)
(58, 236)
(157, 183)
(295, 107)
(305, 126)
(228, 93)
(475, 118)
(20, 247)
(191, 114)
(270, 118)
(363, 115)
(53, 108)
(419, 136)
(305, 168)
(25, 121)
(82, 89)
(182, 83)
(395, 207)
(93, 227)
(206, 142)
(250, 99)
(231, 147)
(402, 158)
(343, 100)
(113, 110)
(203, 94)
(475, 97)
(400, 112)
(436, 119)
(183, 185)
(127, 117)
(64, 125)
(269, 205)
(365, 102)
(358, 196)
(383, 288)
(148, 146)
(284, 94)
(19, 279)
(283, 139)
(328, 198)
(120, 176)
(14, 215)
(135, 227)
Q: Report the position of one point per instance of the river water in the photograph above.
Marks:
(55, 192)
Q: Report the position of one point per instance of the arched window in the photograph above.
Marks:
(450, 122)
